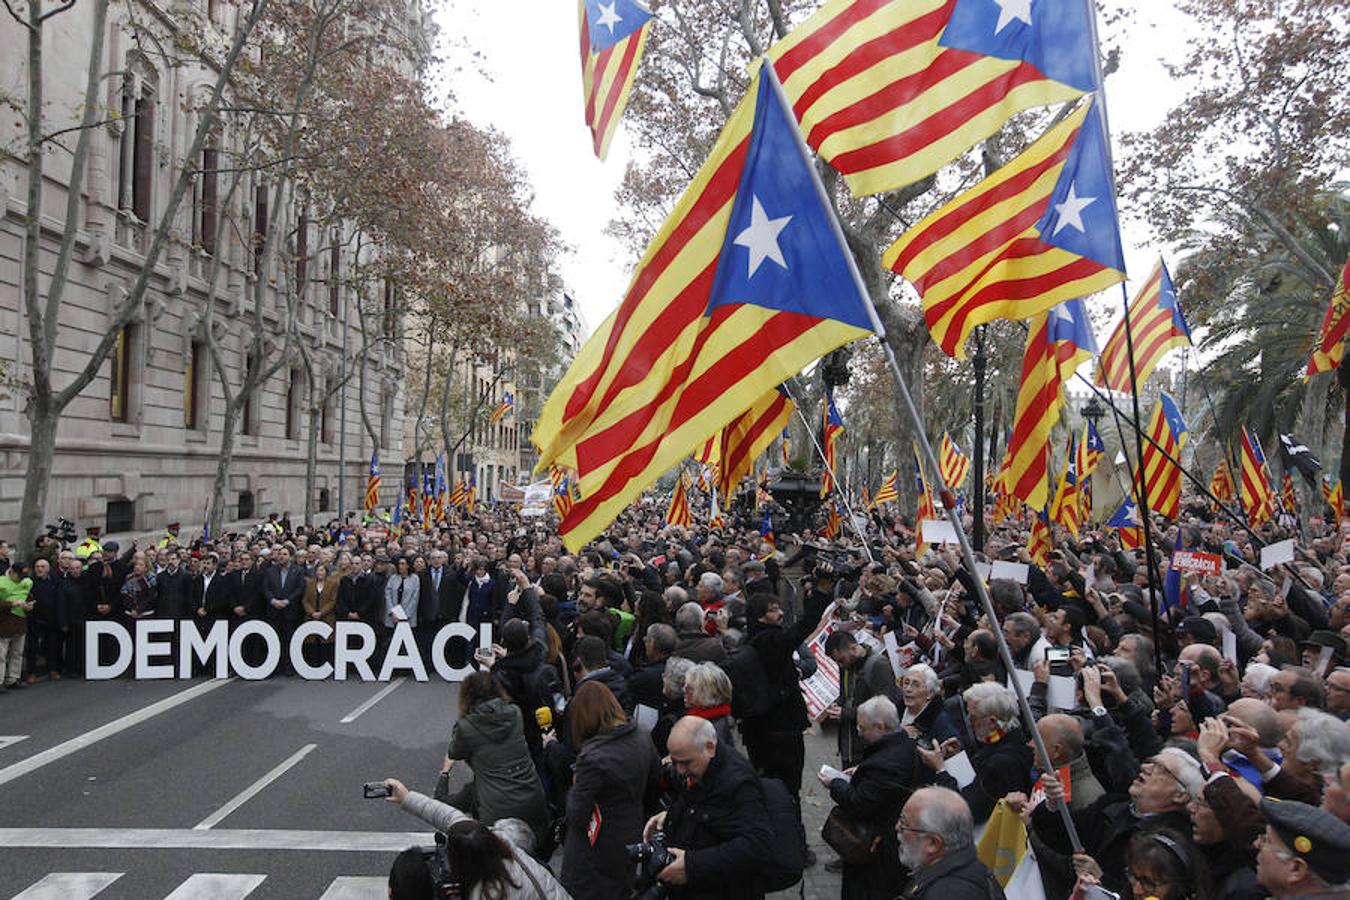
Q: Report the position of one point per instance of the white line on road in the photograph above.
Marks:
(271, 839)
(89, 738)
(357, 887)
(253, 789)
(69, 886)
(9, 740)
(214, 886)
(385, 692)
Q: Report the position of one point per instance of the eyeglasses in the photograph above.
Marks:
(1154, 765)
(902, 826)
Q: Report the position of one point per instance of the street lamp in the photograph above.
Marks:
(1093, 411)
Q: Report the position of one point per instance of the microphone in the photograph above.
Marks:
(543, 717)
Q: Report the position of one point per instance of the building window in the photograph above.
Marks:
(119, 376)
(246, 419)
(136, 154)
(301, 252)
(245, 505)
(293, 392)
(325, 499)
(259, 227)
(334, 267)
(204, 200)
(121, 517)
(193, 379)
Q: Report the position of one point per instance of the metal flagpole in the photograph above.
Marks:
(929, 458)
(838, 485)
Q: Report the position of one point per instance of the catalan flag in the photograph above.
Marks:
(715, 520)
(830, 431)
(373, 483)
(428, 496)
(954, 464)
(1090, 451)
(678, 511)
(1335, 498)
(471, 493)
(1041, 541)
(1156, 326)
(1039, 231)
(1066, 506)
(833, 521)
(1329, 345)
(1288, 497)
(1162, 477)
(744, 286)
(459, 495)
(1128, 525)
(562, 495)
(926, 509)
(500, 410)
(442, 492)
(889, 492)
(1058, 342)
(767, 536)
(1258, 498)
(411, 497)
(748, 435)
(1221, 485)
(889, 91)
(613, 36)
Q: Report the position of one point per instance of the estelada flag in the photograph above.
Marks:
(745, 285)
(830, 431)
(1162, 477)
(1329, 345)
(748, 435)
(889, 91)
(613, 36)
(1039, 231)
(1156, 325)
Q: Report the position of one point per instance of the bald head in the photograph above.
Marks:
(1260, 717)
(1063, 737)
(692, 746)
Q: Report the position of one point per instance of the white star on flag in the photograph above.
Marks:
(1008, 10)
(1070, 212)
(608, 17)
(761, 238)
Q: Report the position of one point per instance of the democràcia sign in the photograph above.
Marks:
(168, 648)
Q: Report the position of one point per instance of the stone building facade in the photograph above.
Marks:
(138, 448)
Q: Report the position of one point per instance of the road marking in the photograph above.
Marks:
(356, 713)
(215, 886)
(69, 886)
(271, 839)
(253, 789)
(352, 887)
(89, 738)
(9, 740)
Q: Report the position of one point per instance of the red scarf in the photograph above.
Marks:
(711, 712)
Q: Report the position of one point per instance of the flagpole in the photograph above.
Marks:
(838, 485)
(929, 458)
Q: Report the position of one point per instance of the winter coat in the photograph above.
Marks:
(870, 677)
(722, 823)
(957, 876)
(441, 817)
(934, 722)
(1105, 828)
(1000, 769)
(614, 786)
(775, 645)
(491, 739)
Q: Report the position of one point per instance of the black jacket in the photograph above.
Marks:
(889, 772)
(439, 605)
(173, 596)
(775, 646)
(957, 876)
(1105, 829)
(645, 685)
(723, 824)
(1000, 769)
(218, 598)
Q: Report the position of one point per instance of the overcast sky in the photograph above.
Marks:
(530, 90)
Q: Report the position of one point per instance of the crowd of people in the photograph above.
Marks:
(640, 720)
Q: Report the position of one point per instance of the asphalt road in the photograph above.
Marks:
(126, 790)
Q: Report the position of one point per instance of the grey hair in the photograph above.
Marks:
(1127, 673)
(672, 680)
(1189, 772)
(675, 596)
(879, 710)
(1260, 673)
(708, 685)
(663, 638)
(1324, 739)
(946, 815)
(1026, 624)
(710, 580)
(689, 617)
(926, 672)
(995, 700)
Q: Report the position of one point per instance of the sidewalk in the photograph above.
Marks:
(817, 883)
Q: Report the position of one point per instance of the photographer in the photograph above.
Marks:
(717, 828)
(477, 861)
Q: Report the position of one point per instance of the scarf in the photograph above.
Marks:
(711, 712)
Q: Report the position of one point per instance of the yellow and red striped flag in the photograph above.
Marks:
(1156, 325)
(678, 511)
(499, 411)
(953, 463)
(1288, 496)
(1058, 342)
(1039, 231)
(1128, 524)
(562, 491)
(1329, 345)
(1066, 507)
(744, 286)
(1221, 485)
(833, 521)
(927, 509)
(1041, 541)
(373, 483)
(748, 435)
(889, 492)
(1335, 498)
(613, 36)
(1090, 451)
(459, 494)
(889, 91)
(829, 436)
(1162, 478)
(785, 448)
(715, 520)
(1258, 498)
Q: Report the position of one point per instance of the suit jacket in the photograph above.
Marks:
(288, 585)
(439, 605)
(173, 600)
(323, 601)
(218, 598)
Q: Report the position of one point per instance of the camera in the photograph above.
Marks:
(651, 857)
(375, 790)
(62, 532)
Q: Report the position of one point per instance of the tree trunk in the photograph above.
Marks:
(311, 462)
(41, 451)
(223, 461)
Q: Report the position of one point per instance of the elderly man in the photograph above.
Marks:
(1305, 851)
(1295, 687)
(717, 828)
(1001, 757)
(1338, 693)
(695, 643)
(1025, 640)
(937, 843)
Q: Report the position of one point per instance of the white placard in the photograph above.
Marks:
(893, 653)
(1026, 677)
(937, 531)
(1229, 646)
(832, 774)
(1274, 554)
(1013, 571)
(959, 767)
(983, 570)
(1061, 692)
(645, 716)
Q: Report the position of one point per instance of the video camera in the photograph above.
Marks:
(63, 532)
(651, 857)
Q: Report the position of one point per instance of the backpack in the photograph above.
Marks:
(750, 694)
(789, 837)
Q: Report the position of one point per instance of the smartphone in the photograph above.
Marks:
(1184, 671)
(375, 790)
(1058, 658)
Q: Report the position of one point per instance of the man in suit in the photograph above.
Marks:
(215, 592)
(284, 591)
(438, 600)
(173, 600)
